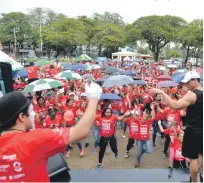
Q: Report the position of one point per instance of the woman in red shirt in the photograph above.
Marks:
(54, 119)
(41, 112)
(143, 136)
(107, 122)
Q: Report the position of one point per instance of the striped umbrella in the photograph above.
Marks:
(42, 84)
(68, 75)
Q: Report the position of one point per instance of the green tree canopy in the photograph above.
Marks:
(66, 32)
(157, 31)
(11, 21)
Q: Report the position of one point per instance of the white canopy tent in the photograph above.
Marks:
(121, 55)
(5, 58)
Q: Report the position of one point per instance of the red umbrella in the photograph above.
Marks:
(164, 78)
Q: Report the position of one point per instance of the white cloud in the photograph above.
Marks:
(129, 9)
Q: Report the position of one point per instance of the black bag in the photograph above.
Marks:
(58, 169)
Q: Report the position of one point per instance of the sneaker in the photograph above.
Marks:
(81, 152)
(87, 144)
(116, 155)
(137, 164)
(124, 135)
(100, 165)
(126, 155)
(164, 156)
(67, 154)
(170, 172)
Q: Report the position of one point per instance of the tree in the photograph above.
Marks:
(174, 54)
(157, 31)
(110, 18)
(109, 36)
(143, 50)
(191, 37)
(66, 33)
(14, 24)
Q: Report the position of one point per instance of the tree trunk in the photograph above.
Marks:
(187, 54)
(99, 50)
(156, 56)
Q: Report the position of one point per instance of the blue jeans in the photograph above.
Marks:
(77, 143)
(140, 144)
(95, 132)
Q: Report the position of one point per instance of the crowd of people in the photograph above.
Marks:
(141, 108)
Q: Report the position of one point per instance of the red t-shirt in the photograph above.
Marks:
(107, 125)
(133, 127)
(41, 110)
(146, 98)
(57, 121)
(62, 100)
(173, 116)
(51, 103)
(24, 155)
(144, 129)
(73, 110)
(178, 150)
(32, 72)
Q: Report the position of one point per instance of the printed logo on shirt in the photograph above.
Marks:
(17, 166)
(3, 168)
(106, 126)
(18, 176)
(134, 128)
(11, 157)
(3, 178)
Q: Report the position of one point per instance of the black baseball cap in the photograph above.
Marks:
(11, 105)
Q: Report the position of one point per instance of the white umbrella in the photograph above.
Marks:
(172, 66)
(5, 58)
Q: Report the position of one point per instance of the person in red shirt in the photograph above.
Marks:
(107, 122)
(61, 100)
(143, 136)
(133, 131)
(50, 101)
(70, 107)
(41, 112)
(53, 119)
(26, 151)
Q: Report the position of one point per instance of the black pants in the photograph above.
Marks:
(166, 144)
(179, 164)
(103, 143)
(130, 144)
(125, 128)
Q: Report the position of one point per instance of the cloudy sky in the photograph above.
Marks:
(129, 9)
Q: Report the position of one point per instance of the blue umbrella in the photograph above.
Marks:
(128, 73)
(164, 84)
(66, 66)
(79, 67)
(85, 76)
(118, 80)
(20, 73)
(138, 82)
(109, 96)
(180, 76)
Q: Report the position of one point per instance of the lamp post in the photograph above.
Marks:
(15, 41)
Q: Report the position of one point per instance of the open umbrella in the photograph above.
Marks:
(118, 80)
(109, 96)
(20, 73)
(84, 57)
(161, 68)
(43, 62)
(42, 84)
(68, 75)
(111, 70)
(85, 76)
(138, 82)
(172, 66)
(79, 67)
(128, 73)
(180, 71)
(95, 66)
(66, 66)
(164, 84)
(164, 77)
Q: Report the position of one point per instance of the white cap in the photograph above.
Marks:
(83, 95)
(190, 75)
